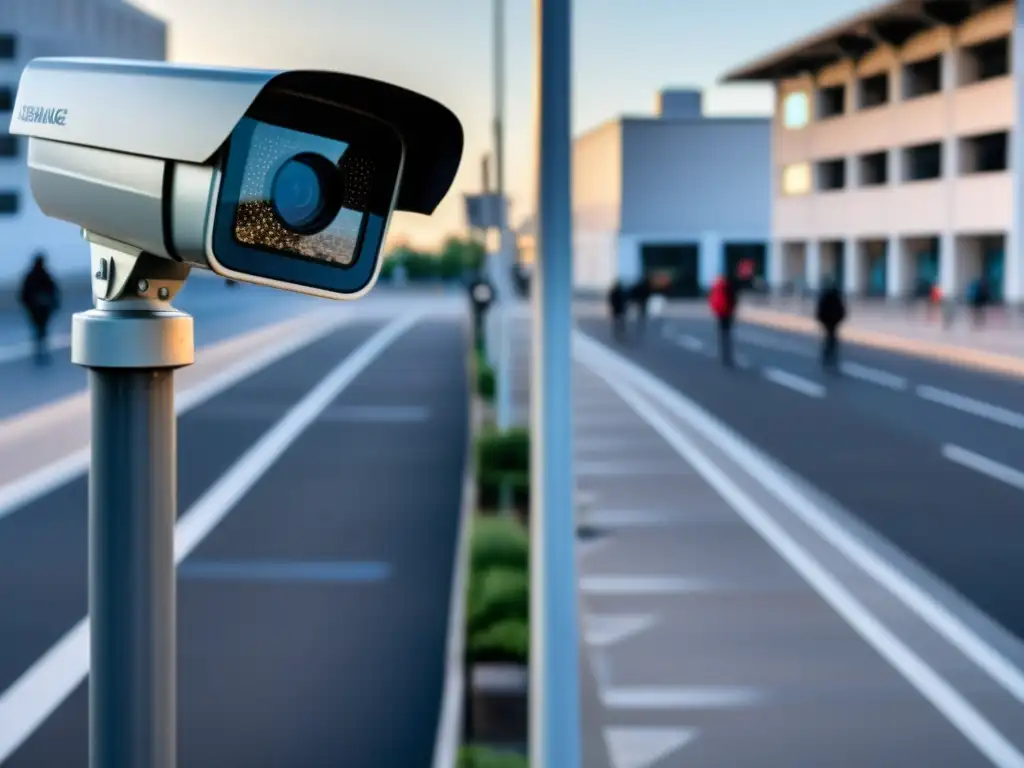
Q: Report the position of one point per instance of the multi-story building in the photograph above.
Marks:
(33, 28)
(895, 156)
(678, 196)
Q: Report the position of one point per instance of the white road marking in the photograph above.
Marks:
(25, 349)
(41, 689)
(630, 518)
(635, 747)
(759, 340)
(14, 496)
(972, 406)
(950, 702)
(691, 343)
(794, 382)
(874, 376)
(984, 465)
(679, 697)
(605, 630)
(640, 585)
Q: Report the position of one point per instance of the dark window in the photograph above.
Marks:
(874, 169)
(832, 174)
(984, 154)
(674, 268)
(9, 202)
(874, 91)
(985, 61)
(922, 77)
(923, 162)
(6, 99)
(8, 47)
(8, 146)
(831, 101)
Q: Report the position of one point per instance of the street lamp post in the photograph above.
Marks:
(554, 628)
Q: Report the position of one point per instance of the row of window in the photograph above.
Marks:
(975, 63)
(977, 154)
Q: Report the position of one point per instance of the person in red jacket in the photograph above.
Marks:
(723, 299)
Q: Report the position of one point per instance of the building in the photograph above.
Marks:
(33, 28)
(896, 161)
(678, 196)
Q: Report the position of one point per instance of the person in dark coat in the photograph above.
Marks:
(617, 304)
(831, 313)
(641, 295)
(40, 297)
(981, 297)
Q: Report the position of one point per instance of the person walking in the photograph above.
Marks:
(831, 313)
(617, 300)
(981, 297)
(723, 300)
(40, 298)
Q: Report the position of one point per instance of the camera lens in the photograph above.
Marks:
(304, 193)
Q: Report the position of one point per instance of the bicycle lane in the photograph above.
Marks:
(312, 620)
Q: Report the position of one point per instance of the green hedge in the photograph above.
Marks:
(481, 757)
(503, 457)
(498, 600)
(485, 382)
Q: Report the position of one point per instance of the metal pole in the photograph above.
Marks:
(131, 343)
(554, 627)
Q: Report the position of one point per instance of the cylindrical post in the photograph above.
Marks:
(554, 629)
(132, 508)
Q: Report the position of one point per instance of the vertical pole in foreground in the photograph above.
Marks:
(554, 629)
(131, 343)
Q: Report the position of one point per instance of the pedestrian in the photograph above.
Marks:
(617, 299)
(981, 297)
(723, 299)
(40, 297)
(641, 295)
(831, 313)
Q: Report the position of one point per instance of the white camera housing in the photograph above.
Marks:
(286, 179)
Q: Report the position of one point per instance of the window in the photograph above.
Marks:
(874, 90)
(922, 77)
(796, 179)
(8, 47)
(831, 101)
(6, 99)
(985, 61)
(922, 162)
(874, 169)
(9, 203)
(984, 154)
(796, 111)
(8, 146)
(831, 174)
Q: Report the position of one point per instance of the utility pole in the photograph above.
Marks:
(554, 627)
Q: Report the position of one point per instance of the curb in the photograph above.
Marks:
(449, 726)
(992, 362)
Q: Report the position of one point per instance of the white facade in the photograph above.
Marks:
(671, 194)
(895, 155)
(32, 28)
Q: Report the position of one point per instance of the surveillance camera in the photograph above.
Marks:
(286, 179)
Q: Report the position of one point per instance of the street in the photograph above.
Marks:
(319, 512)
(876, 487)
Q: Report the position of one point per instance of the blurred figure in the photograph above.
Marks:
(722, 300)
(831, 313)
(617, 300)
(40, 298)
(934, 300)
(641, 295)
(981, 297)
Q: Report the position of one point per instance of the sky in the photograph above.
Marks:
(624, 52)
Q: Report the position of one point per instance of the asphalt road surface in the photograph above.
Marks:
(312, 620)
(220, 312)
(928, 455)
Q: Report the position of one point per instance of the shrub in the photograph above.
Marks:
(482, 757)
(485, 383)
(498, 599)
(503, 457)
